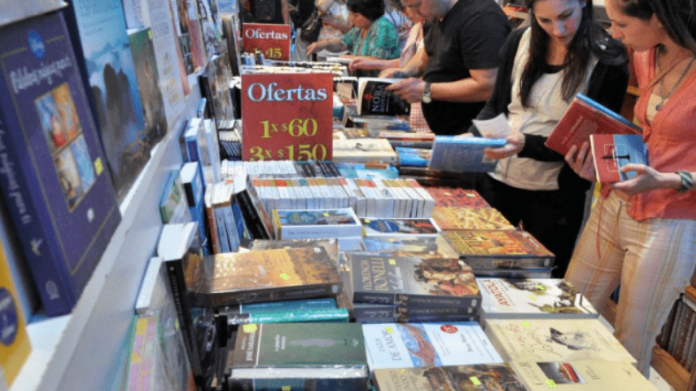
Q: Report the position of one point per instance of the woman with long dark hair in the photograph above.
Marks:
(642, 233)
(543, 67)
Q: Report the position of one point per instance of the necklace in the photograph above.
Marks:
(662, 80)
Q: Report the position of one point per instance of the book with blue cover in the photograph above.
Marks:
(415, 157)
(463, 154)
(611, 152)
(53, 175)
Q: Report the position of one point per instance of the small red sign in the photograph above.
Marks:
(287, 116)
(448, 328)
(273, 40)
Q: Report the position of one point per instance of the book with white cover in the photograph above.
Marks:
(404, 345)
(533, 298)
(581, 375)
(555, 340)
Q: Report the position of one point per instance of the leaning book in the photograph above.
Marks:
(54, 179)
(481, 377)
(463, 154)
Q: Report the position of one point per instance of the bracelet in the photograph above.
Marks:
(687, 181)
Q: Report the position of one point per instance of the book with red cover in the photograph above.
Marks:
(470, 218)
(583, 118)
(456, 197)
(613, 151)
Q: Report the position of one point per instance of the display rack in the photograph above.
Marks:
(85, 350)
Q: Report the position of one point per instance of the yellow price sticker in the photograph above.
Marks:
(475, 381)
(532, 297)
(389, 330)
(98, 166)
(250, 328)
(284, 276)
(551, 383)
(392, 261)
(287, 388)
(526, 324)
(391, 240)
(149, 34)
(326, 214)
(367, 221)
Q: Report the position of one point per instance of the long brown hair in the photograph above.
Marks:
(678, 17)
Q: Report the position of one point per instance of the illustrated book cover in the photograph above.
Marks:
(584, 117)
(54, 179)
(375, 99)
(481, 377)
(363, 150)
(457, 197)
(316, 223)
(417, 245)
(399, 227)
(613, 151)
(449, 218)
(502, 249)
(533, 298)
(412, 281)
(463, 154)
(581, 375)
(399, 345)
(415, 157)
(555, 340)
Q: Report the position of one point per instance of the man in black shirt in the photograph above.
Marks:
(270, 11)
(459, 63)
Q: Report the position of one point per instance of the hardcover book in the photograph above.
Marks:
(364, 150)
(613, 151)
(533, 298)
(463, 154)
(274, 306)
(259, 276)
(581, 375)
(584, 117)
(287, 354)
(322, 315)
(503, 249)
(427, 345)
(470, 218)
(330, 245)
(555, 340)
(113, 87)
(413, 156)
(316, 223)
(437, 246)
(412, 281)
(194, 190)
(375, 99)
(457, 198)
(399, 227)
(54, 181)
(482, 377)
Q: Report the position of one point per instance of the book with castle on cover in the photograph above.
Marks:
(584, 117)
(611, 152)
(581, 375)
(375, 99)
(480, 377)
(53, 176)
(533, 298)
(449, 218)
(555, 340)
(268, 275)
(501, 249)
(412, 281)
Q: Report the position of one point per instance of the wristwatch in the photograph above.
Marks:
(426, 97)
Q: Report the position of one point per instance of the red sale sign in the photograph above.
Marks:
(287, 116)
(273, 40)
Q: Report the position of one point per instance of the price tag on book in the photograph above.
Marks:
(287, 117)
(273, 40)
(475, 381)
(551, 383)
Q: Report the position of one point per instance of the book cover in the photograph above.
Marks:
(180, 13)
(555, 340)
(173, 204)
(463, 154)
(457, 198)
(54, 181)
(412, 281)
(316, 223)
(481, 377)
(364, 150)
(375, 99)
(273, 306)
(584, 117)
(399, 345)
(14, 340)
(330, 245)
(502, 249)
(533, 298)
(211, 38)
(259, 276)
(581, 375)
(137, 14)
(323, 315)
(113, 88)
(218, 92)
(200, 57)
(257, 220)
(398, 313)
(470, 218)
(413, 156)
(194, 190)
(513, 274)
(399, 227)
(613, 151)
(414, 245)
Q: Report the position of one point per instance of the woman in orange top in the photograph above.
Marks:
(642, 235)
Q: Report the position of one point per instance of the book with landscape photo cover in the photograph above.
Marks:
(53, 176)
(457, 197)
(613, 151)
(463, 154)
(268, 275)
(412, 281)
(470, 218)
(330, 245)
(533, 298)
(316, 223)
(501, 249)
(581, 375)
(375, 99)
(481, 377)
(584, 117)
(399, 227)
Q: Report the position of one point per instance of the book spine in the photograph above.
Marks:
(684, 329)
(663, 338)
(251, 216)
(687, 343)
(502, 263)
(335, 315)
(679, 317)
(411, 144)
(440, 301)
(205, 91)
(300, 292)
(302, 384)
(289, 305)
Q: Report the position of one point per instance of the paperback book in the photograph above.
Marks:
(457, 198)
(413, 156)
(412, 281)
(316, 223)
(382, 313)
(449, 218)
(437, 246)
(611, 152)
(330, 245)
(481, 377)
(399, 227)
(533, 298)
(375, 99)
(463, 154)
(365, 150)
(581, 375)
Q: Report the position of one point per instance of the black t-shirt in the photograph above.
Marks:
(267, 11)
(470, 36)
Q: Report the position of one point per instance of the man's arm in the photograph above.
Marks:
(285, 10)
(414, 67)
(476, 88)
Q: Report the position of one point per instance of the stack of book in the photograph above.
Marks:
(677, 336)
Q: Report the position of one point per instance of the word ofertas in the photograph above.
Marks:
(258, 92)
(257, 33)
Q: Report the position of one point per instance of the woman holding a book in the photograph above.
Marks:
(543, 67)
(642, 232)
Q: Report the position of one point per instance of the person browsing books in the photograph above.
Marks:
(373, 34)
(458, 63)
(642, 233)
(543, 67)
